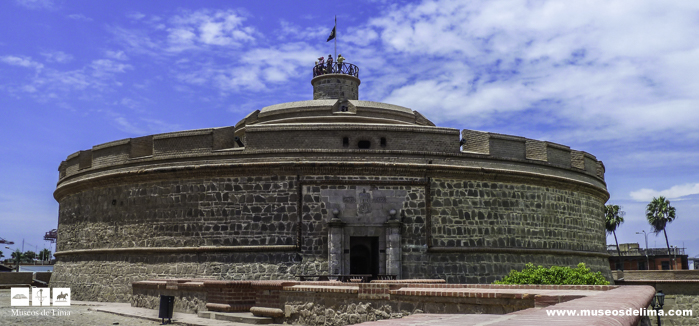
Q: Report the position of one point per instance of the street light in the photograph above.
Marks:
(657, 303)
(647, 261)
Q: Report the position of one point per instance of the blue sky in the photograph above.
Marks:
(617, 79)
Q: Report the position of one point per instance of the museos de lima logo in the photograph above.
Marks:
(40, 296)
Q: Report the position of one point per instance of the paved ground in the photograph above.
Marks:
(93, 313)
(103, 313)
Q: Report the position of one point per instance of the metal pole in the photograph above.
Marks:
(646, 251)
(335, 37)
(647, 260)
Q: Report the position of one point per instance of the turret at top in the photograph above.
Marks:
(336, 80)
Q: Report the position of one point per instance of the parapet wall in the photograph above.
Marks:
(132, 150)
(351, 136)
(325, 140)
(519, 148)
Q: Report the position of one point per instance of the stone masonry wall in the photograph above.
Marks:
(177, 213)
(335, 86)
(680, 294)
(502, 215)
(262, 211)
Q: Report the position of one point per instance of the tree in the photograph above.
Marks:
(29, 256)
(17, 255)
(614, 217)
(45, 255)
(659, 213)
(1, 255)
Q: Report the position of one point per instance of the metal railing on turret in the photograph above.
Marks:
(336, 68)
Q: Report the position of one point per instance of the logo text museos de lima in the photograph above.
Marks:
(40, 296)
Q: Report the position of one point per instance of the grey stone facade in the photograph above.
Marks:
(335, 86)
(120, 234)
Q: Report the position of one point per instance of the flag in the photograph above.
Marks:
(332, 34)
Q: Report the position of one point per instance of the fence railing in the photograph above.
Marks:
(642, 252)
(336, 68)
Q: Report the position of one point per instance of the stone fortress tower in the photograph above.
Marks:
(333, 186)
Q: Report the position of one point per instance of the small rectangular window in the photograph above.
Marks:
(641, 265)
(345, 142)
(665, 265)
(383, 141)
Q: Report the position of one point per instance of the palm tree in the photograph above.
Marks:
(29, 256)
(18, 256)
(45, 255)
(614, 217)
(659, 213)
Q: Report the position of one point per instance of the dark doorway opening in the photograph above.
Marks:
(364, 255)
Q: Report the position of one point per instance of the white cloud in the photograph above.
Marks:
(80, 17)
(603, 69)
(36, 4)
(135, 41)
(674, 192)
(116, 55)
(21, 62)
(135, 15)
(292, 31)
(192, 30)
(143, 126)
(57, 56)
(106, 66)
(256, 69)
(199, 30)
(48, 84)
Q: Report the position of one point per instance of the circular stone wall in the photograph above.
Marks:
(335, 86)
(237, 227)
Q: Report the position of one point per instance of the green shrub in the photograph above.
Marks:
(556, 275)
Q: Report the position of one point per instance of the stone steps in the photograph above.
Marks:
(238, 317)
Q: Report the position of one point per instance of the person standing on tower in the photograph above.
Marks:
(340, 61)
(321, 65)
(330, 63)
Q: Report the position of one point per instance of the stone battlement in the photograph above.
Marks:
(132, 150)
(326, 140)
(519, 148)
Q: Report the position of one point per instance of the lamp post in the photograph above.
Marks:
(657, 303)
(646, 251)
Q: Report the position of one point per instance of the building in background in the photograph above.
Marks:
(635, 258)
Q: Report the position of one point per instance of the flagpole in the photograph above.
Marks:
(335, 37)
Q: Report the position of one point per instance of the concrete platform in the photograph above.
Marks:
(238, 317)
